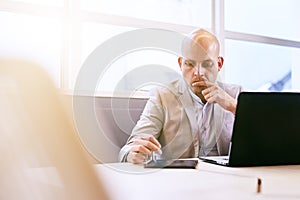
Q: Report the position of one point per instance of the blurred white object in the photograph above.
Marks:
(41, 157)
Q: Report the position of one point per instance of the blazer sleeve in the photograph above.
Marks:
(150, 123)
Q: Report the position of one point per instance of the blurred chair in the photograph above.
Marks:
(41, 156)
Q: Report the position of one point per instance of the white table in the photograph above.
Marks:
(208, 181)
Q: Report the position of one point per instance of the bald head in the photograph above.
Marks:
(200, 43)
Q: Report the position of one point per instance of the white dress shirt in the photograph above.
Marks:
(206, 133)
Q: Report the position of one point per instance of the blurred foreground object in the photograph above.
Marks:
(41, 157)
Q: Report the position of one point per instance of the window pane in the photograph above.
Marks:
(139, 70)
(33, 38)
(258, 66)
(123, 69)
(274, 18)
(187, 12)
(95, 34)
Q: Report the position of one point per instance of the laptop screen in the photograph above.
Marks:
(266, 129)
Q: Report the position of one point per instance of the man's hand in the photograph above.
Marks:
(214, 94)
(140, 148)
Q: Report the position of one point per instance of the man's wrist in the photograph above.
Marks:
(233, 106)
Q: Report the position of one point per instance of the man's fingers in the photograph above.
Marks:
(210, 95)
(212, 88)
(140, 148)
(151, 143)
(136, 158)
(203, 84)
(200, 84)
(154, 141)
(143, 147)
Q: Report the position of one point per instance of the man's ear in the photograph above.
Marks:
(220, 62)
(180, 62)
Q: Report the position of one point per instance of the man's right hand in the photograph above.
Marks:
(141, 148)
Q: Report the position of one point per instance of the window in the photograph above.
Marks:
(105, 19)
(273, 18)
(32, 37)
(263, 66)
(61, 34)
(262, 44)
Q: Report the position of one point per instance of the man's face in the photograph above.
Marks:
(199, 63)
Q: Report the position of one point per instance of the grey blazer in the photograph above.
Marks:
(169, 116)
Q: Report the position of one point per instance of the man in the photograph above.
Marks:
(190, 117)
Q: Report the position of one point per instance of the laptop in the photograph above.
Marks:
(266, 131)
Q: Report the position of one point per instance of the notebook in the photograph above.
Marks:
(266, 131)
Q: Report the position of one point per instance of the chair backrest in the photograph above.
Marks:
(41, 157)
(113, 119)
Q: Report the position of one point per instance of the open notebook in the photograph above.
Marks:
(37, 135)
(266, 130)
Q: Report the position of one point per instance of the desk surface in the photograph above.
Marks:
(208, 181)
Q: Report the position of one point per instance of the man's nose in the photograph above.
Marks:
(198, 70)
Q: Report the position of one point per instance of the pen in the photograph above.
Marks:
(258, 185)
(150, 158)
(153, 157)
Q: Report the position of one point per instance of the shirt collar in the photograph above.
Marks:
(196, 98)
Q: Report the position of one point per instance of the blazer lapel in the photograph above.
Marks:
(187, 104)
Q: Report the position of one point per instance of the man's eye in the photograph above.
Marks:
(189, 64)
(207, 64)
